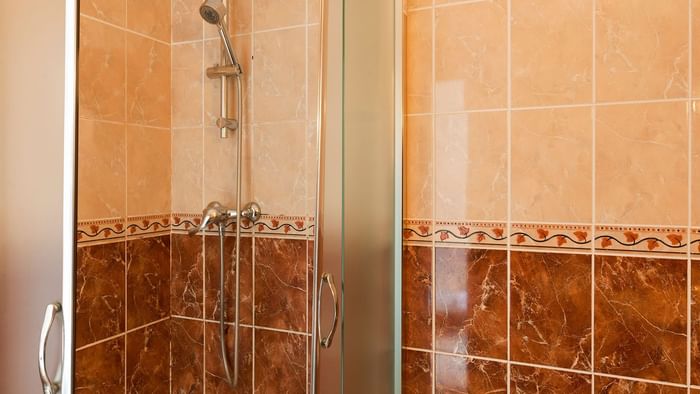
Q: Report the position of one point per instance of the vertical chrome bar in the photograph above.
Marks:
(224, 107)
(239, 182)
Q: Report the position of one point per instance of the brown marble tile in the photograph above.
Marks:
(99, 293)
(604, 385)
(310, 278)
(695, 323)
(99, 369)
(551, 309)
(640, 327)
(186, 288)
(417, 297)
(471, 307)
(148, 359)
(147, 280)
(547, 381)
(212, 275)
(280, 362)
(215, 373)
(187, 352)
(280, 283)
(454, 374)
(416, 372)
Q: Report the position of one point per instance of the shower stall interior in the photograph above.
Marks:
(236, 198)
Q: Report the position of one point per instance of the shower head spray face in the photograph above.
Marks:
(213, 11)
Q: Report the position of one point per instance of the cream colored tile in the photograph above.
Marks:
(641, 49)
(471, 56)
(275, 14)
(642, 164)
(419, 62)
(220, 166)
(279, 80)
(148, 171)
(101, 71)
(410, 4)
(112, 11)
(240, 16)
(314, 11)
(187, 25)
(695, 167)
(187, 70)
(552, 165)
(148, 82)
(101, 170)
(552, 52)
(151, 18)
(471, 171)
(312, 155)
(418, 167)
(313, 66)
(187, 150)
(695, 28)
(278, 163)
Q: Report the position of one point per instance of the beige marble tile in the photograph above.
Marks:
(187, 71)
(471, 171)
(410, 4)
(418, 167)
(278, 163)
(641, 49)
(101, 72)
(279, 80)
(695, 166)
(419, 62)
(642, 164)
(220, 166)
(151, 18)
(275, 14)
(111, 11)
(471, 56)
(148, 81)
(552, 52)
(552, 165)
(101, 170)
(186, 25)
(240, 16)
(148, 170)
(187, 162)
(314, 11)
(313, 66)
(695, 29)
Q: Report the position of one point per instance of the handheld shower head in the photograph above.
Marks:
(214, 12)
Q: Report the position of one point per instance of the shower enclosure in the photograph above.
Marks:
(292, 292)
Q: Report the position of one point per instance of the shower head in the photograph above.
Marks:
(214, 12)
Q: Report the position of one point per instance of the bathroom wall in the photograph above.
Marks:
(124, 201)
(277, 44)
(551, 225)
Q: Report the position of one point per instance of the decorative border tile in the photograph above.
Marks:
(695, 241)
(471, 233)
(284, 225)
(100, 230)
(146, 225)
(654, 240)
(553, 236)
(417, 230)
(183, 222)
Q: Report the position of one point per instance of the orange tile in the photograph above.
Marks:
(240, 16)
(187, 70)
(418, 168)
(101, 71)
(551, 168)
(419, 62)
(187, 150)
(641, 49)
(695, 167)
(280, 75)
(151, 18)
(275, 14)
(471, 166)
(148, 170)
(186, 23)
(101, 170)
(642, 164)
(552, 52)
(410, 4)
(148, 81)
(471, 56)
(112, 11)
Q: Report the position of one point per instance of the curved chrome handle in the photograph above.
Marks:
(328, 339)
(49, 386)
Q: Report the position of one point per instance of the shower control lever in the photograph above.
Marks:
(216, 213)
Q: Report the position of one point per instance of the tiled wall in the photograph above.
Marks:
(552, 225)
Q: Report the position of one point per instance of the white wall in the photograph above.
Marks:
(31, 138)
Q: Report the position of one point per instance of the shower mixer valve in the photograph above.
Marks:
(216, 213)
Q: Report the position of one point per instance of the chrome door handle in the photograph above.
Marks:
(49, 386)
(328, 339)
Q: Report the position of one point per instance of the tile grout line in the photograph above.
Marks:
(689, 265)
(594, 93)
(203, 81)
(252, 133)
(126, 191)
(509, 191)
(124, 29)
(116, 336)
(433, 255)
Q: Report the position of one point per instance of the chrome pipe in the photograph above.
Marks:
(239, 182)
